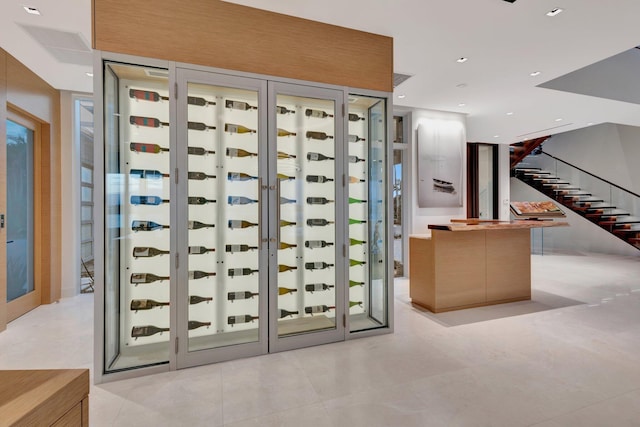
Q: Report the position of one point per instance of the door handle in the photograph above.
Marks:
(1, 220)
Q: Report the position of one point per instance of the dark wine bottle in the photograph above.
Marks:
(146, 331)
(317, 265)
(195, 299)
(200, 176)
(143, 147)
(196, 200)
(237, 223)
(318, 135)
(147, 174)
(137, 278)
(284, 110)
(148, 200)
(318, 200)
(239, 105)
(233, 272)
(282, 268)
(146, 226)
(354, 262)
(355, 159)
(284, 245)
(243, 318)
(196, 274)
(197, 225)
(353, 283)
(194, 324)
(314, 309)
(199, 126)
(314, 244)
(354, 117)
(240, 200)
(147, 95)
(239, 248)
(232, 296)
(147, 252)
(315, 287)
(355, 138)
(285, 201)
(146, 304)
(317, 157)
(283, 155)
(317, 113)
(199, 250)
(231, 128)
(240, 176)
(201, 102)
(284, 313)
(239, 152)
(318, 178)
(285, 291)
(318, 222)
(199, 151)
(147, 122)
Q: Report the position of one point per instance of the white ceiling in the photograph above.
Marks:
(504, 42)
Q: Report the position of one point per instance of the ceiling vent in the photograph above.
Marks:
(398, 79)
(66, 47)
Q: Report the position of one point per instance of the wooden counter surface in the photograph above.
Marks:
(500, 225)
(44, 398)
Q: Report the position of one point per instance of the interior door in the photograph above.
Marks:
(306, 241)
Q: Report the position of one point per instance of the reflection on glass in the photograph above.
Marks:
(398, 264)
(485, 181)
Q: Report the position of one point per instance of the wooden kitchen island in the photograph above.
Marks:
(463, 265)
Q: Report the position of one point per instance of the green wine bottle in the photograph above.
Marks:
(195, 299)
(146, 304)
(197, 225)
(239, 105)
(353, 200)
(197, 200)
(137, 278)
(196, 274)
(357, 221)
(146, 331)
(354, 262)
(315, 287)
(353, 283)
(194, 324)
(232, 272)
(284, 110)
(199, 250)
(243, 318)
(232, 296)
(322, 136)
(147, 252)
(354, 303)
(354, 242)
(284, 313)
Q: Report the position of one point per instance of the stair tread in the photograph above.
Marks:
(628, 220)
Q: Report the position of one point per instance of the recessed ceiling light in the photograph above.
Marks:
(462, 104)
(590, 124)
(535, 73)
(89, 74)
(558, 119)
(510, 113)
(402, 96)
(554, 12)
(496, 136)
(462, 59)
(31, 10)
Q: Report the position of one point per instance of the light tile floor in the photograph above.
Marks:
(569, 357)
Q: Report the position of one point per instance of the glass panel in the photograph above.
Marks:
(86, 194)
(86, 213)
(485, 181)
(137, 216)
(367, 213)
(87, 250)
(86, 231)
(398, 244)
(223, 216)
(86, 175)
(306, 195)
(19, 217)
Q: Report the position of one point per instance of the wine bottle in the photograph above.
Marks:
(284, 313)
(317, 157)
(353, 180)
(199, 151)
(199, 250)
(239, 152)
(284, 245)
(285, 223)
(354, 117)
(318, 178)
(199, 126)
(200, 176)
(353, 283)
(357, 221)
(231, 128)
(237, 223)
(143, 147)
(146, 304)
(355, 159)
(282, 268)
(354, 262)
(197, 225)
(314, 244)
(283, 155)
(284, 201)
(353, 200)
(285, 291)
(354, 303)
(146, 226)
(147, 95)
(318, 200)
(240, 176)
(314, 309)
(284, 110)
(196, 100)
(241, 272)
(240, 200)
(239, 105)
(283, 177)
(353, 242)
(147, 252)
(317, 265)
(146, 121)
(318, 135)
(355, 138)
(197, 274)
(239, 248)
(196, 200)
(194, 324)
(316, 113)
(148, 200)
(147, 174)
(283, 132)
(195, 299)
(146, 331)
(137, 278)
(318, 222)
(243, 318)
(316, 287)
(232, 296)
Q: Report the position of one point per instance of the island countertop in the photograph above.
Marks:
(469, 225)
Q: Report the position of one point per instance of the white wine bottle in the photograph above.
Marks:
(283, 155)
(146, 304)
(148, 200)
(284, 245)
(231, 128)
(314, 309)
(317, 265)
(353, 283)
(243, 318)
(197, 200)
(285, 291)
(147, 252)
(285, 223)
(199, 126)
(314, 244)
(354, 262)
(200, 176)
(232, 296)
(239, 248)
(146, 331)
(240, 200)
(318, 201)
(197, 225)
(318, 135)
(282, 268)
(354, 117)
(137, 278)
(283, 177)
(355, 138)
(316, 287)
(284, 110)
(285, 201)
(283, 132)
(199, 250)
(353, 180)
(318, 222)
(240, 223)
(353, 242)
(318, 178)
(196, 274)
(146, 226)
(355, 303)
(239, 152)
(240, 176)
(233, 272)
(318, 157)
(239, 105)
(309, 112)
(355, 159)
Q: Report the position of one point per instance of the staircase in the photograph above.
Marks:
(599, 210)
